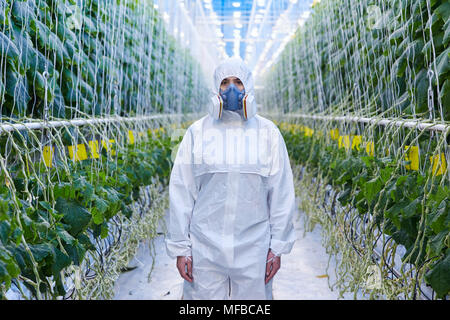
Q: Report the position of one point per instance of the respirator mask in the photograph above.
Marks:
(232, 99)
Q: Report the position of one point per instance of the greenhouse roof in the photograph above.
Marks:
(255, 30)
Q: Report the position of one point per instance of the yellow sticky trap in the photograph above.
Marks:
(309, 132)
(344, 142)
(334, 134)
(140, 134)
(93, 147)
(113, 151)
(78, 152)
(370, 148)
(322, 276)
(356, 141)
(439, 164)
(111, 141)
(413, 156)
(130, 137)
(48, 156)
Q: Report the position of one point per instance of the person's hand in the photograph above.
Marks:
(182, 263)
(273, 264)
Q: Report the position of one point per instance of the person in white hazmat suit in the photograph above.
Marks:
(231, 196)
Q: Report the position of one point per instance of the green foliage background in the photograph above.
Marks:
(71, 59)
(100, 57)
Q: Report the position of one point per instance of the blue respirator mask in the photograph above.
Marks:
(232, 98)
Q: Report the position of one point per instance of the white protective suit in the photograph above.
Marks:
(232, 198)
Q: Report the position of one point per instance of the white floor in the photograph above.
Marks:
(302, 275)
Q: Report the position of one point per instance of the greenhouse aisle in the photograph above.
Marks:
(302, 275)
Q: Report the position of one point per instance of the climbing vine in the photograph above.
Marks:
(91, 58)
(50, 222)
(367, 201)
(75, 196)
(380, 190)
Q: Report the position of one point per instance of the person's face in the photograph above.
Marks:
(227, 81)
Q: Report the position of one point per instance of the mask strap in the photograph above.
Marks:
(244, 104)
(221, 106)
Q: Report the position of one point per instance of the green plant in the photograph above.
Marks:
(411, 207)
(91, 58)
(48, 221)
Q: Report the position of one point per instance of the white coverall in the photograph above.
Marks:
(226, 209)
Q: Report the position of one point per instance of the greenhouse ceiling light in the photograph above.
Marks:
(237, 47)
(237, 14)
(236, 4)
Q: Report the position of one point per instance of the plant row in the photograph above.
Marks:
(371, 57)
(410, 205)
(46, 219)
(70, 58)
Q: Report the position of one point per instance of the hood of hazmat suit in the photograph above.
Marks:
(231, 198)
(233, 67)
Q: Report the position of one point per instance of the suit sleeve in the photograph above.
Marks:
(182, 196)
(281, 199)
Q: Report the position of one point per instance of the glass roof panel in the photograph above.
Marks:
(255, 30)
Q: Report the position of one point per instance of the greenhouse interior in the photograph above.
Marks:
(96, 97)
